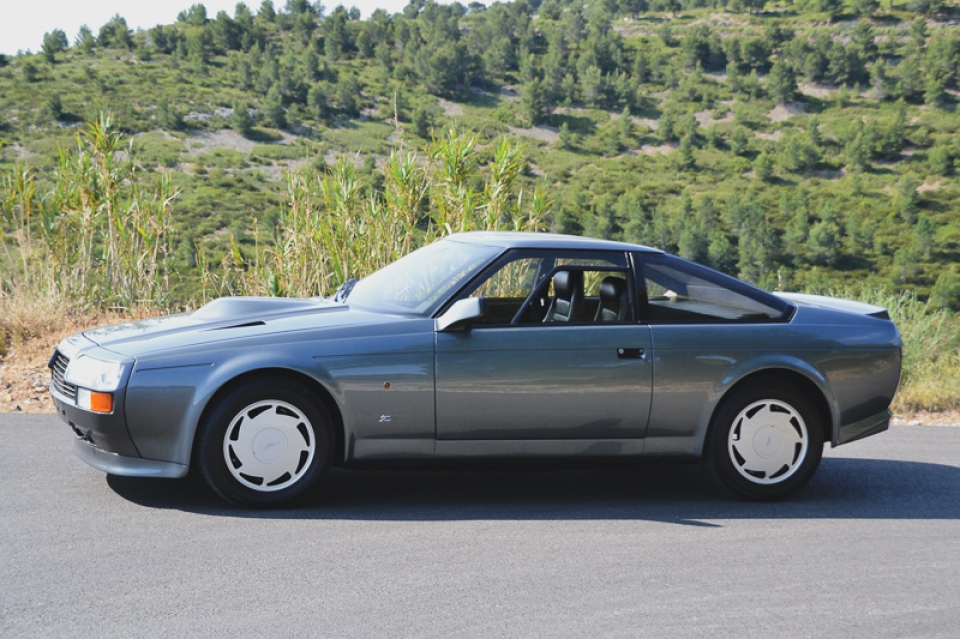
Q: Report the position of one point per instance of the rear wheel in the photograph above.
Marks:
(765, 442)
(264, 443)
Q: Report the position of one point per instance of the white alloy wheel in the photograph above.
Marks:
(269, 445)
(768, 441)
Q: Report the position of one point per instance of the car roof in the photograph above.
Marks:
(513, 239)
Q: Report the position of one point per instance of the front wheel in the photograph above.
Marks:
(264, 443)
(765, 442)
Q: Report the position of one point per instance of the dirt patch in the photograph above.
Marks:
(509, 93)
(923, 188)
(222, 112)
(816, 90)
(653, 125)
(705, 118)
(22, 152)
(786, 111)
(651, 149)
(200, 142)
(716, 76)
(452, 109)
(542, 132)
(776, 135)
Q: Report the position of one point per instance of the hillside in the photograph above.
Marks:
(807, 146)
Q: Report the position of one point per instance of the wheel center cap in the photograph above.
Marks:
(768, 441)
(269, 445)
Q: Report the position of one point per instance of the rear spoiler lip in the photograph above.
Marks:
(836, 303)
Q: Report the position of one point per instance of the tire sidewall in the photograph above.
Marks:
(718, 457)
(213, 429)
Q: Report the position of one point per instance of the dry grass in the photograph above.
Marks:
(40, 325)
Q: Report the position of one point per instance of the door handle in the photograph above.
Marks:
(629, 353)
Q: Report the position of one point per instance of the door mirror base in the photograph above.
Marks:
(460, 316)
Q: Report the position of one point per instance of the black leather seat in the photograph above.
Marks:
(614, 301)
(568, 296)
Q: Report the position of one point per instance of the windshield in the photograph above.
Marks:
(419, 282)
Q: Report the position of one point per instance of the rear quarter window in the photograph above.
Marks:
(678, 291)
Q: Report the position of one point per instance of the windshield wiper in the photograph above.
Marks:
(344, 290)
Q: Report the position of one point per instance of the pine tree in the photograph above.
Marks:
(533, 102)
(907, 198)
(53, 107)
(53, 43)
(924, 236)
(687, 145)
(946, 291)
(637, 226)
(625, 129)
(565, 139)
(169, 117)
(240, 120)
(273, 108)
(740, 141)
(422, 122)
(763, 167)
(941, 160)
(823, 244)
(781, 83)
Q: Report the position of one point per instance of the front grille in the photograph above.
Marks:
(58, 366)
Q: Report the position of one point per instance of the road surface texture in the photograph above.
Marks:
(870, 549)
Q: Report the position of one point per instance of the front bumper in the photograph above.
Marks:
(115, 464)
(104, 443)
(108, 432)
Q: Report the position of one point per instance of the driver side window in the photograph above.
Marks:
(557, 289)
(507, 289)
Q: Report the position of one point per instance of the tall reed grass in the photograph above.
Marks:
(331, 230)
(99, 236)
(931, 348)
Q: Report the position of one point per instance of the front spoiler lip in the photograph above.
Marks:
(115, 464)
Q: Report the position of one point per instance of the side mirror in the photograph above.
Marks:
(459, 316)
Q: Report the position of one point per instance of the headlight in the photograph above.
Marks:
(94, 374)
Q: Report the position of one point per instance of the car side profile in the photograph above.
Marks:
(486, 345)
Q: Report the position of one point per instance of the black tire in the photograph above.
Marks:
(265, 443)
(765, 442)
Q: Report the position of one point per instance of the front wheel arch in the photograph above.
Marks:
(273, 374)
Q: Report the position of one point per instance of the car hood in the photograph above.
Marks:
(228, 318)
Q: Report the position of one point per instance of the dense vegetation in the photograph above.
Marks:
(807, 146)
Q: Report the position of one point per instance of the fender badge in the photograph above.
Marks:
(384, 418)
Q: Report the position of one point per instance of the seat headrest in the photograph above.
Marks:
(565, 283)
(612, 289)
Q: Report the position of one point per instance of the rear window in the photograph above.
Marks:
(678, 291)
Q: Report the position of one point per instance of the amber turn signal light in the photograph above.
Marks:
(95, 401)
(101, 402)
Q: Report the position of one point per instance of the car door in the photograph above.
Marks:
(538, 367)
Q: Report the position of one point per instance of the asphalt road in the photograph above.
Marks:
(870, 549)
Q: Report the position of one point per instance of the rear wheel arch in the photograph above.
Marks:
(319, 391)
(804, 384)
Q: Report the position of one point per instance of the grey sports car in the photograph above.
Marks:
(486, 345)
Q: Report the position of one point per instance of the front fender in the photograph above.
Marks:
(166, 398)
